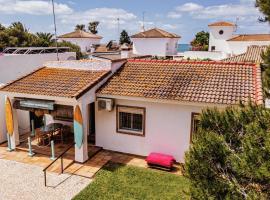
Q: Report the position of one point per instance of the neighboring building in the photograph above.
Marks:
(85, 40)
(157, 102)
(253, 54)
(17, 62)
(224, 42)
(155, 42)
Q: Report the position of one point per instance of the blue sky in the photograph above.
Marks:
(182, 17)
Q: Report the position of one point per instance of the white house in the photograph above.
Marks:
(137, 106)
(85, 40)
(17, 62)
(155, 42)
(224, 42)
(157, 103)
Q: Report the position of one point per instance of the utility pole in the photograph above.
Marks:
(143, 28)
(118, 28)
(55, 31)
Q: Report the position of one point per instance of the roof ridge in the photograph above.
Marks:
(191, 62)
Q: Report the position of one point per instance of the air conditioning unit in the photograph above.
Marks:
(105, 104)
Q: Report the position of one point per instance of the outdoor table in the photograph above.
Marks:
(51, 128)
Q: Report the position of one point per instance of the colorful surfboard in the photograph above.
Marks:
(9, 117)
(78, 127)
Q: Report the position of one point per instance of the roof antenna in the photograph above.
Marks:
(55, 32)
(143, 27)
(236, 23)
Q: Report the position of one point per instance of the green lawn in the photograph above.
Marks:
(119, 182)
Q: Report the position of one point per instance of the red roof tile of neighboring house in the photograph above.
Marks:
(57, 82)
(222, 23)
(80, 34)
(253, 54)
(250, 37)
(187, 81)
(155, 33)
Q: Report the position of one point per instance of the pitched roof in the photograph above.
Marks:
(80, 34)
(222, 23)
(56, 82)
(187, 81)
(253, 54)
(155, 33)
(251, 37)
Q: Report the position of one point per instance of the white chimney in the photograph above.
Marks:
(125, 51)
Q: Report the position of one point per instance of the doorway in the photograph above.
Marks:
(92, 124)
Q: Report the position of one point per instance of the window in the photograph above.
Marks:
(221, 32)
(194, 124)
(213, 48)
(130, 120)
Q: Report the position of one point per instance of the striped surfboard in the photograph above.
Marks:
(78, 127)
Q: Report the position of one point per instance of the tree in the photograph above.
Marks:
(201, 41)
(44, 39)
(80, 27)
(124, 38)
(73, 48)
(230, 155)
(92, 27)
(264, 7)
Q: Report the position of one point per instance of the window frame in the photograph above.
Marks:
(130, 132)
(193, 116)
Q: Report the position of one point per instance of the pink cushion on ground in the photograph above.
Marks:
(160, 159)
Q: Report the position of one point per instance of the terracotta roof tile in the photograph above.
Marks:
(189, 81)
(250, 37)
(56, 82)
(253, 54)
(80, 34)
(155, 33)
(222, 24)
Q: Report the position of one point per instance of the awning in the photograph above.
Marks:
(29, 104)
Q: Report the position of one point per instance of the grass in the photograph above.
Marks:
(116, 181)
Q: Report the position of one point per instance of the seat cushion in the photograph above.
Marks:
(160, 160)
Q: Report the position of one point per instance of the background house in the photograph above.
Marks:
(85, 40)
(155, 42)
(157, 102)
(224, 42)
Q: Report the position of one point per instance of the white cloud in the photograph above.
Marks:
(189, 7)
(32, 7)
(229, 11)
(106, 16)
(174, 15)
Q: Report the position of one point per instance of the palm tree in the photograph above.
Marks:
(80, 27)
(92, 27)
(45, 39)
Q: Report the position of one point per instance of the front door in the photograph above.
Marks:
(92, 124)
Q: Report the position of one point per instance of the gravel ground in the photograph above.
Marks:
(26, 182)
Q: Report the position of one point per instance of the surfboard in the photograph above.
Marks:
(78, 127)
(9, 117)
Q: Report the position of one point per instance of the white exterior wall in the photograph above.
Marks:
(213, 55)
(155, 46)
(15, 66)
(169, 135)
(84, 43)
(241, 47)
(220, 41)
